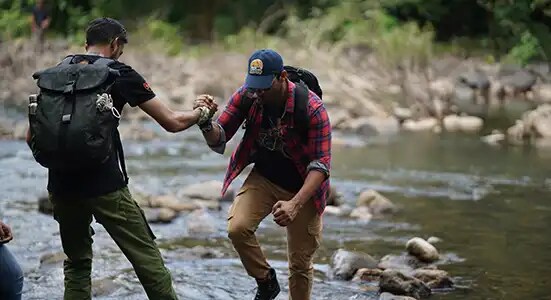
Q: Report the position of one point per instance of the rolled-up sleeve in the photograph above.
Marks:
(319, 138)
(229, 120)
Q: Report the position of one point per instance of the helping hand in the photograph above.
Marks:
(206, 101)
(285, 212)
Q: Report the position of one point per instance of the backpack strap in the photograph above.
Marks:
(301, 117)
(67, 60)
(120, 154)
(102, 61)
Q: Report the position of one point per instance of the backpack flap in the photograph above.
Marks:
(74, 77)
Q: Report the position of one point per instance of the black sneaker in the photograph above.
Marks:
(268, 289)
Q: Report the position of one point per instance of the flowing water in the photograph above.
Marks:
(490, 206)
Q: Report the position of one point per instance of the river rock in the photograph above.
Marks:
(404, 263)
(453, 123)
(535, 125)
(427, 275)
(542, 93)
(441, 283)
(442, 88)
(516, 134)
(370, 126)
(401, 113)
(334, 198)
(208, 190)
(377, 203)
(344, 264)
(422, 249)
(6, 128)
(434, 240)
(540, 121)
(104, 287)
(339, 211)
(52, 259)
(434, 278)
(366, 274)
(389, 296)
(206, 253)
(475, 79)
(171, 202)
(45, 205)
(200, 222)
(395, 282)
(495, 138)
(362, 213)
(160, 215)
(425, 124)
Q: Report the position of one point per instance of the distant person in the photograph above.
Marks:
(78, 141)
(40, 22)
(11, 276)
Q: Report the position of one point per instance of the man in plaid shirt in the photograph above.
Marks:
(290, 178)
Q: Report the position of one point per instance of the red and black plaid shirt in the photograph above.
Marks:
(315, 154)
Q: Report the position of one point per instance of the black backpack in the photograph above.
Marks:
(304, 80)
(73, 124)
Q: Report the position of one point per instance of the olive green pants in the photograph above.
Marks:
(124, 220)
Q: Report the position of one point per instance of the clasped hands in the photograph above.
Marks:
(207, 106)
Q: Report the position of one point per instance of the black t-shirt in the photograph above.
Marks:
(40, 14)
(130, 87)
(271, 158)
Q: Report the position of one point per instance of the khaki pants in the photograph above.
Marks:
(253, 203)
(124, 221)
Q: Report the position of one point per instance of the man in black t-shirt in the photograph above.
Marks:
(102, 193)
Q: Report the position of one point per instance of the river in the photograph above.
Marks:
(490, 206)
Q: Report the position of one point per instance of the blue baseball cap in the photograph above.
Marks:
(264, 64)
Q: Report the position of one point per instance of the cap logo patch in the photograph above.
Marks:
(256, 67)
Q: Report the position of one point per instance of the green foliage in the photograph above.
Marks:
(516, 31)
(167, 34)
(408, 46)
(14, 22)
(527, 49)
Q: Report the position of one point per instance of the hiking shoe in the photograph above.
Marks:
(268, 289)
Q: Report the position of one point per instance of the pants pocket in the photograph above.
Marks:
(133, 213)
(315, 228)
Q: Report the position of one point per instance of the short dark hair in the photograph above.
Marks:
(104, 30)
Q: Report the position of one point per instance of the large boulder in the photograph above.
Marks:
(344, 264)
(397, 283)
(422, 249)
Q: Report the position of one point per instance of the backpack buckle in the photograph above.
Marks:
(69, 87)
(66, 118)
